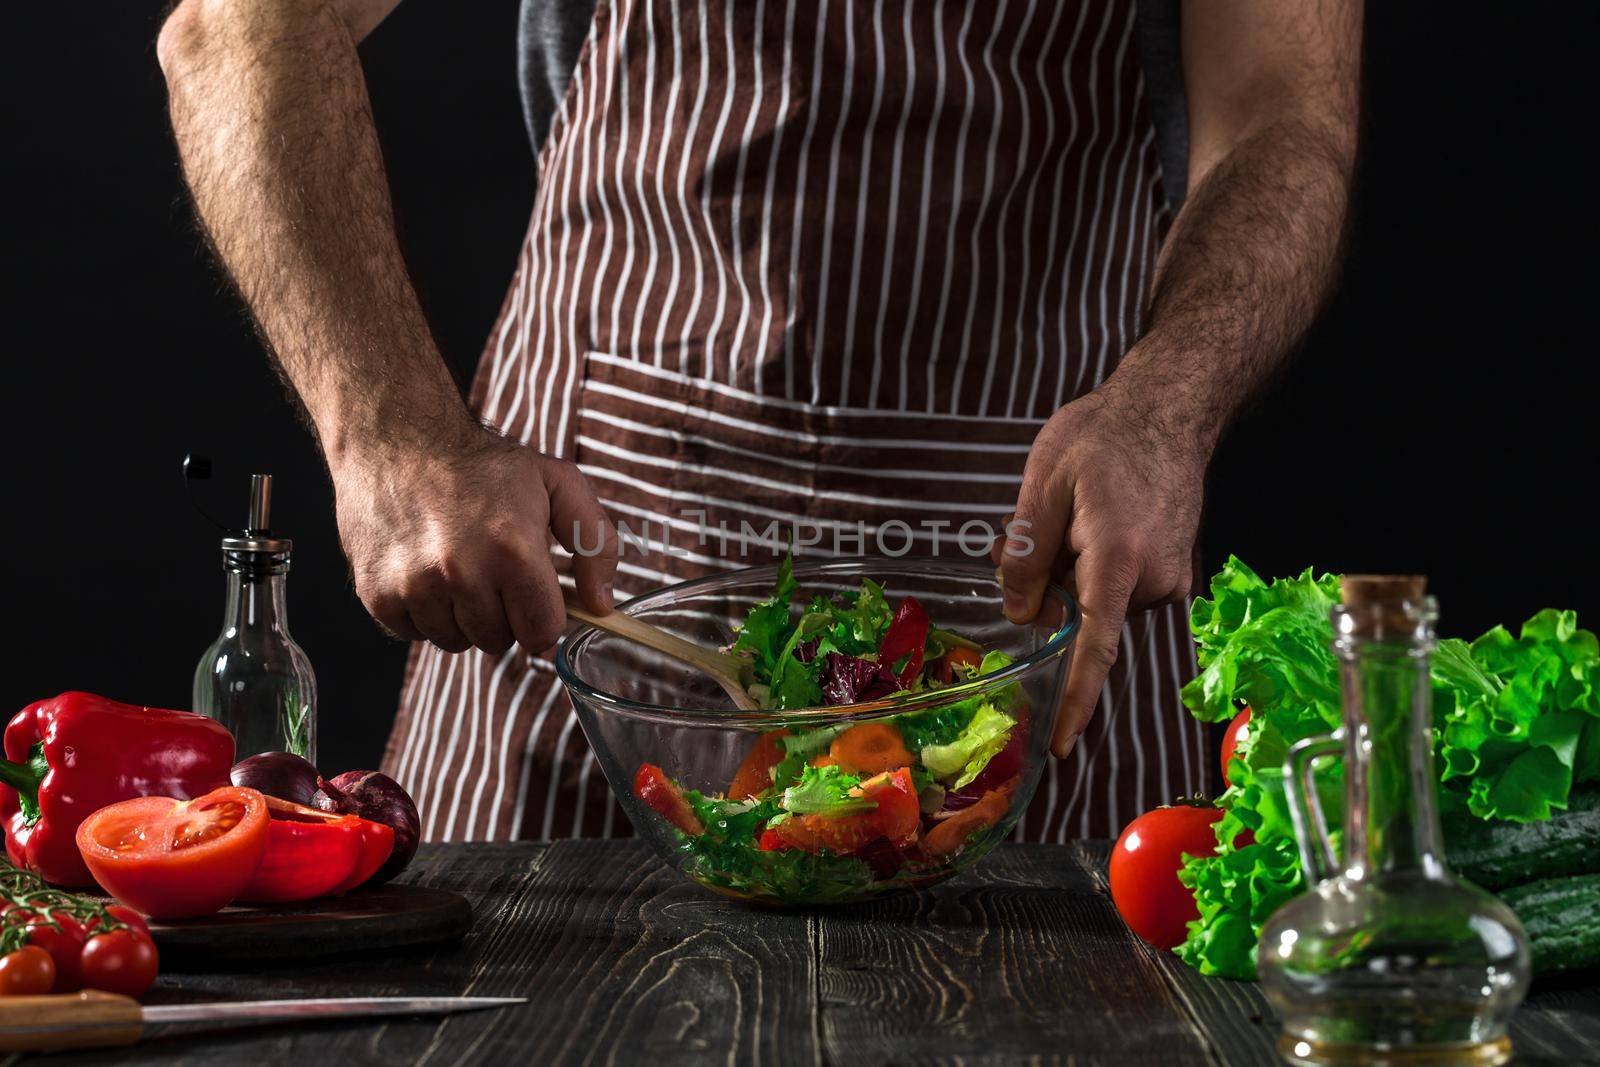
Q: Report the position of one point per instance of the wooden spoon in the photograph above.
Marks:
(726, 670)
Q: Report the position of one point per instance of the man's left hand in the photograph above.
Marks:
(1111, 498)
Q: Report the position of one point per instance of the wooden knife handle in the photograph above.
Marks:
(90, 1019)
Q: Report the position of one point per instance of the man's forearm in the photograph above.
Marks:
(1249, 262)
(270, 112)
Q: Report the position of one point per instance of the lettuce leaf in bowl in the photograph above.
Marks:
(964, 758)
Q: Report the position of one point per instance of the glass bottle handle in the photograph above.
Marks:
(1317, 857)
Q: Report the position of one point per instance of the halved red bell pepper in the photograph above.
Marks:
(313, 853)
(377, 843)
(71, 755)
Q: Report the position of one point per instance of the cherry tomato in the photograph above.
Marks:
(123, 961)
(29, 971)
(63, 941)
(1230, 739)
(1145, 865)
(129, 917)
(662, 795)
(175, 858)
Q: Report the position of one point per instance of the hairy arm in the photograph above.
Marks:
(446, 525)
(1113, 487)
(1273, 96)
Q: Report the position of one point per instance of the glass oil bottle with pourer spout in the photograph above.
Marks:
(254, 679)
(1388, 958)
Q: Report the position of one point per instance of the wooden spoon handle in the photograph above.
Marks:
(68, 1020)
(719, 665)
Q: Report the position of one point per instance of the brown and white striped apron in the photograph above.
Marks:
(826, 265)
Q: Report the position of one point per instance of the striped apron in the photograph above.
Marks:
(813, 270)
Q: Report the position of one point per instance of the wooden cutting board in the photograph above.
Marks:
(380, 919)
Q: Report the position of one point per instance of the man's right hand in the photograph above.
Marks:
(451, 541)
(448, 526)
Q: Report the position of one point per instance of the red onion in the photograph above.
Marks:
(277, 774)
(376, 796)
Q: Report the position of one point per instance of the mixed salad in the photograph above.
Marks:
(842, 812)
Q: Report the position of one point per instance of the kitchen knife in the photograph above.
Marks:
(100, 1020)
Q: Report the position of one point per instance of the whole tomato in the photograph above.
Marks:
(1144, 870)
(1230, 740)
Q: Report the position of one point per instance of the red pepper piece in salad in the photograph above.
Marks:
(907, 636)
(663, 796)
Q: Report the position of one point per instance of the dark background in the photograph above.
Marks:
(1440, 420)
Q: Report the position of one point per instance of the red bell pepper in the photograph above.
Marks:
(72, 755)
(907, 636)
(312, 853)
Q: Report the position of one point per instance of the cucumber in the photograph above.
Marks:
(1562, 918)
(1496, 854)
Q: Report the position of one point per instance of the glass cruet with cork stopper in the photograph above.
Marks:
(254, 679)
(1388, 957)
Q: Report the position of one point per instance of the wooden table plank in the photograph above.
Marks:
(1019, 958)
(1022, 960)
(1559, 1023)
(1235, 1018)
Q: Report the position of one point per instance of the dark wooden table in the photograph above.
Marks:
(1021, 960)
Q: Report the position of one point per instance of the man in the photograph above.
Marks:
(846, 267)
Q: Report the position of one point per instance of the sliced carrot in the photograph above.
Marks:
(951, 834)
(755, 773)
(822, 759)
(870, 748)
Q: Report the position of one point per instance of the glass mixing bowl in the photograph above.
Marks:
(652, 720)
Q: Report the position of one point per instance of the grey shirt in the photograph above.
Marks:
(551, 34)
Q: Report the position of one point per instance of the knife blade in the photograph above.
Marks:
(101, 1020)
(317, 1008)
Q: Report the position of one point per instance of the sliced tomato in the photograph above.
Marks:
(175, 858)
(755, 773)
(1144, 870)
(662, 795)
(896, 818)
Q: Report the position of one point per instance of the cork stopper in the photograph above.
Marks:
(1384, 606)
(1364, 590)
